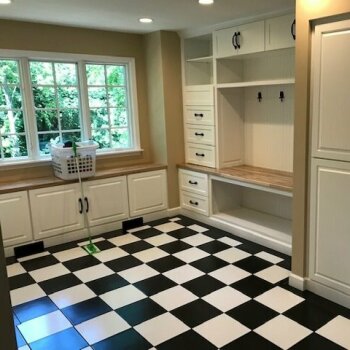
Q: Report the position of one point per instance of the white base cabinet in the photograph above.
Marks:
(15, 218)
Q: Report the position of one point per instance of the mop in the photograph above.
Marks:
(90, 247)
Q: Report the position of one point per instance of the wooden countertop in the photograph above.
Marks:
(279, 180)
(31, 184)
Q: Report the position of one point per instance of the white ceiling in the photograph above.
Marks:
(122, 15)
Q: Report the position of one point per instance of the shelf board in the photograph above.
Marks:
(287, 81)
(206, 59)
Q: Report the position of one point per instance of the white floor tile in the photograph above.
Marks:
(150, 254)
(279, 299)
(14, 270)
(229, 274)
(71, 296)
(111, 254)
(34, 256)
(88, 348)
(232, 255)
(49, 272)
(161, 328)
(25, 347)
(191, 254)
(138, 273)
(70, 254)
(283, 332)
(338, 331)
(221, 330)
(197, 228)
(137, 229)
(102, 327)
(124, 239)
(44, 326)
(168, 227)
(174, 219)
(174, 297)
(183, 274)
(122, 296)
(25, 294)
(269, 257)
(229, 241)
(95, 240)
(197, 239)
(273, 274)
(226, 298)
(93, 273)
(160, 239)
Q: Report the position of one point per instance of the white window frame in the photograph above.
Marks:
(81, 59)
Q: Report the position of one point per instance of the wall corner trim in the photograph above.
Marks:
(297, 282)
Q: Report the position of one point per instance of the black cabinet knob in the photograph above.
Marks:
(194, 203)
(193, 182)
(200, 154)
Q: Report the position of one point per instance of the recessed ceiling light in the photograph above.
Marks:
(206, 2)
(146, 20)
(5, 2)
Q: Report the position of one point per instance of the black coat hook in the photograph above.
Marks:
(259, 96)
(281, 96)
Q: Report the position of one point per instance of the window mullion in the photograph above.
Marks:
(84, 101)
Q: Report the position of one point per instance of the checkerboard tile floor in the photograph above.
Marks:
(173, 284)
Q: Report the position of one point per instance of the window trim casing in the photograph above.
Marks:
(24, 56)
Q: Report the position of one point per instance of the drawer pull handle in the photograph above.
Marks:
(200, 115)
(193, 182)
(200, 154)
(80, 206)
(194, 203)
(237, 40)
(199, 134)
(234, 37)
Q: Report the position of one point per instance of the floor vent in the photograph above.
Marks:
(29, 249)
(132, 223)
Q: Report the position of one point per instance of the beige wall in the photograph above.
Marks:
(306, 11)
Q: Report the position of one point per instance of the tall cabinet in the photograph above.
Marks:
(329, 255)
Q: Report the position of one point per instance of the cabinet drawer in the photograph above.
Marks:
(199, 115)
(196, 203)
(199, 95)
(200, 134)
(194, 182)
(200, 154)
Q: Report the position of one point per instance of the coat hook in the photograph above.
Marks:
(281, 96)
(259, 96)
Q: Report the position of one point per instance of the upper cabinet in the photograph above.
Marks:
(240, 40)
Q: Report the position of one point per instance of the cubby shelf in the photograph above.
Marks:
(288, 81)
(206, 59)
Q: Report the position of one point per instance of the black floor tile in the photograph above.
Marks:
(251, 248)
(147, 233)
(253, 264)
(217, 233)
(209, 264)
(135, 247)
(68, 339)
(213, 247)
(316, 342)
(286, 264)
(251, 341)
(140, 311)
(203, 285)
(33, 309)
(252, 314)
(104, 245)
(20, 281)
(113, 234)
(123, 263)
(186, 221)
(81, 263)
(175, 247)
(165, 264)
(62, 247)
(107, 284)
(195, 313)
(19, 338)
(11, 260)
(59, 283)
(86, 310)
(38, 263)
(252, 286)
(154, 285)
(127, 340)
(182, 233)
(188, 340)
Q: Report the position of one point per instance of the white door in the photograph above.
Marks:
(106, 200)
(331, 91)
(15, 218)
(330, 224)
(56, 210)
(224, 40)
(279, 32)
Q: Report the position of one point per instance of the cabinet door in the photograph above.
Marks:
(107, 200)
(251, 38)
(279, 32)
(330, 224)
(56, 210)
(147, 192)
(15, 218)
(224, 40)
(331, 86)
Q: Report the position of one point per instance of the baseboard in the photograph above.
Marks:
(174, 211)
(297, 282)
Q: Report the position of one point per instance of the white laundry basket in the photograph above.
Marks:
(64, 164)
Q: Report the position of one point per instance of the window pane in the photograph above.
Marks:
(120, 138)
(46, 120)
(14, 146)
(101, 136)
(119, 117)
(68, 97)
(97, 97)
(71, 136)
(70, 119)
(11, 122)
(66, 73)
(116, 75)
(99, 118)
(9, 72)
(95, 74)
(41, 73)
(117, 97)
(44, 97)
(45, 140)
(10, 97)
